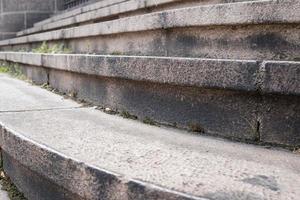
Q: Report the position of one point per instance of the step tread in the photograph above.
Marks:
(185, 163)
(17, 96)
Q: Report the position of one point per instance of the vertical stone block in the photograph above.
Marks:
(280, 120)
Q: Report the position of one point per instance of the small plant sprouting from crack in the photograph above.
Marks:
(149, 121)
(13, 69)
(117, 53)
(4, 68)
(127, 115)
(195, 127)
(54, 49)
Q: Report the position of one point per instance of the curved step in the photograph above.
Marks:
(237, 99)
(82, 153)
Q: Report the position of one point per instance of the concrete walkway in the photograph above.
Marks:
(58, 139)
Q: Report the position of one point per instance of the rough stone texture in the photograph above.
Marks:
(247, 75)
(112, 10)
(257, 12)
(37, 75)
(281, 77)
(100, 156)
(258, 42)
(223, 113)
(280, 119)
(34, 186)
(140, 84)
(205, 73)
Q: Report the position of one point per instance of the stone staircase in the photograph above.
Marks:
(54, 148)
(229, 69)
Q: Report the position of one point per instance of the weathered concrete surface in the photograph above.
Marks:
(122, 6)
(237, 99)
(33, 185)
(204, 73)
(256, 12)
(19, 96)
(229, 114)
(280, 119)
(99, 156)
(281, 77)
(275, 77)
(255, 42)
(104, 11)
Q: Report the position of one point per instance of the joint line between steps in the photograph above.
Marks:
(42, 109)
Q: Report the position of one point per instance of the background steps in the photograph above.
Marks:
(258, 30)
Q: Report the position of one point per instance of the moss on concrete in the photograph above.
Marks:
(54, 49)
(4, 69)
(127, 115)
(149, 121)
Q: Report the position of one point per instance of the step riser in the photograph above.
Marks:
(230, 114)
(33, 185)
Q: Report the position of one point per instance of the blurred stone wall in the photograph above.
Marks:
(16, 15)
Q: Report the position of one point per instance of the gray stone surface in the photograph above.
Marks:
(96, 156)
(113, 10)
(281, 77)
(248, 75)
(218, 97)
(19, 96)
(257, 12)
(280, 119)
(17, 15)
(216, 112)
(204, 73)
(152, 6)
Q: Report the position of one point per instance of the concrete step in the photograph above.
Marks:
(110, 10)
(83, 153)
(236, 99)
(247, 30)
(150, 4)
